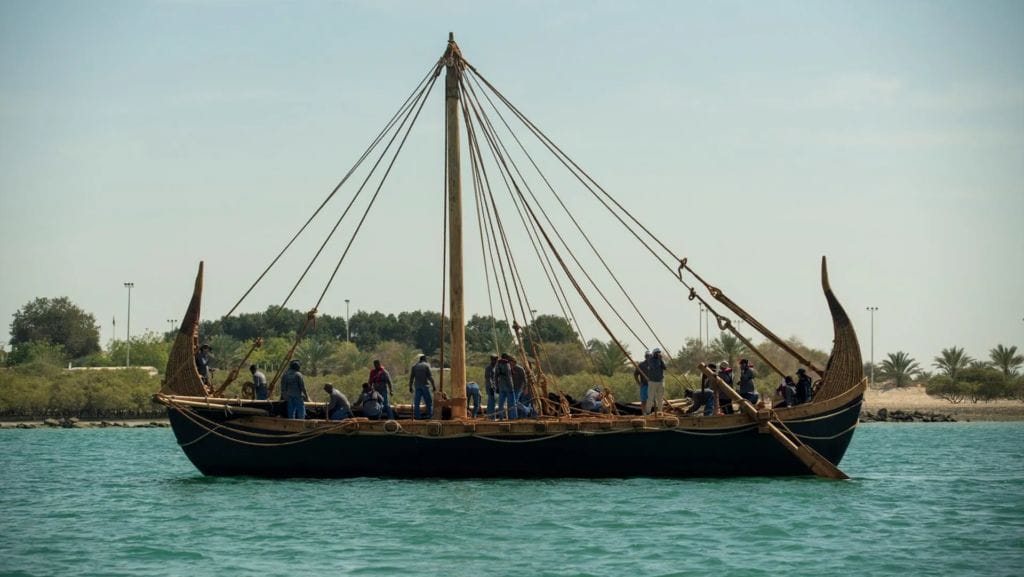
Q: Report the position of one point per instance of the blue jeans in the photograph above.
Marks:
(261, 394)
(752, 397)
(473, 395)
(296, 408)
(491, 398)
(709, 406)
(508, 400)
(422, 393)
(643, 393)
(387, 403)
(340, 413)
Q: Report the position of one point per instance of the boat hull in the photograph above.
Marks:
(223, 444)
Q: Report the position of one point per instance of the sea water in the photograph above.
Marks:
(924, 499)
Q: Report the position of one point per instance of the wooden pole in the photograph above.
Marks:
(454, 64)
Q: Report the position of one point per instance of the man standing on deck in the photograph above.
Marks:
(747, 389)
(518, 382)
(380, 380)
(491, 385)
(419, 376)
(293, 390)
(338, 407)
(203, 364)
(724, 400)
(259, 383)
(506, 391)
(640, 376)
(655, 382)
(803, 386)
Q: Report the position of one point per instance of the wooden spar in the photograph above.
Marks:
(454, 64)
(818, 465)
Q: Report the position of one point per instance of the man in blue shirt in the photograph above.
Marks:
(419, 377)
(293, 390)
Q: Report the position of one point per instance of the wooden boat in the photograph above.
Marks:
(236, 436)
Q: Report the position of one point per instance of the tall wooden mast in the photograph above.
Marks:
(454, 64)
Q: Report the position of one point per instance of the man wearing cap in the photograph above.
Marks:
(338, 407)
(203, 363)
(419, 377)
(747, 389)
(640, 376)
(380, 380)
(724, 400)
(655, 382)
(803, 387)
(293, 390)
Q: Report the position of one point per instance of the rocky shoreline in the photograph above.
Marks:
(75, 423)
(898, 416)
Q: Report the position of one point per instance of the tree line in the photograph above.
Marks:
(49, 333)
(959, 376)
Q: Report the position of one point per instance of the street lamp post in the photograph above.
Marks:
(872, 311)
(172, 322)
(700, 326)
(128, 331)
(348, 333)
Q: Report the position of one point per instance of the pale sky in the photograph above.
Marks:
(137, 138)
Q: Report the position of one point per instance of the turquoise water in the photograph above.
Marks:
(925, 499)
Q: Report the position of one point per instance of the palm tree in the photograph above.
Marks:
(728, 347)
(314, 353)
(1006, 359)
(951, 361)
(608, 357)
(899, 368)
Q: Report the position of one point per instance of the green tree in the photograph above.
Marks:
(899, 368)
(549, 329)
(148, 350)
(727, 348)
(38, 353)
(951, 361)
(1006, 359)
(347, 358)
(486, 334)
(607, 357)
(562, 358)
(57, 321)
(943, 387)
(689, 356)
(985, 383)
(315, 354)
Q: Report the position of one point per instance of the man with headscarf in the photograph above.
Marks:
(293, 390)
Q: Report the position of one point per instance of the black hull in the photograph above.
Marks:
(680, 452)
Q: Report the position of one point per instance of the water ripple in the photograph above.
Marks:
(924, 499)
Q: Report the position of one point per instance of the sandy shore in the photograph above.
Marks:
(914, 398)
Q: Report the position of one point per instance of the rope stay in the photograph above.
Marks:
(548, 243)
